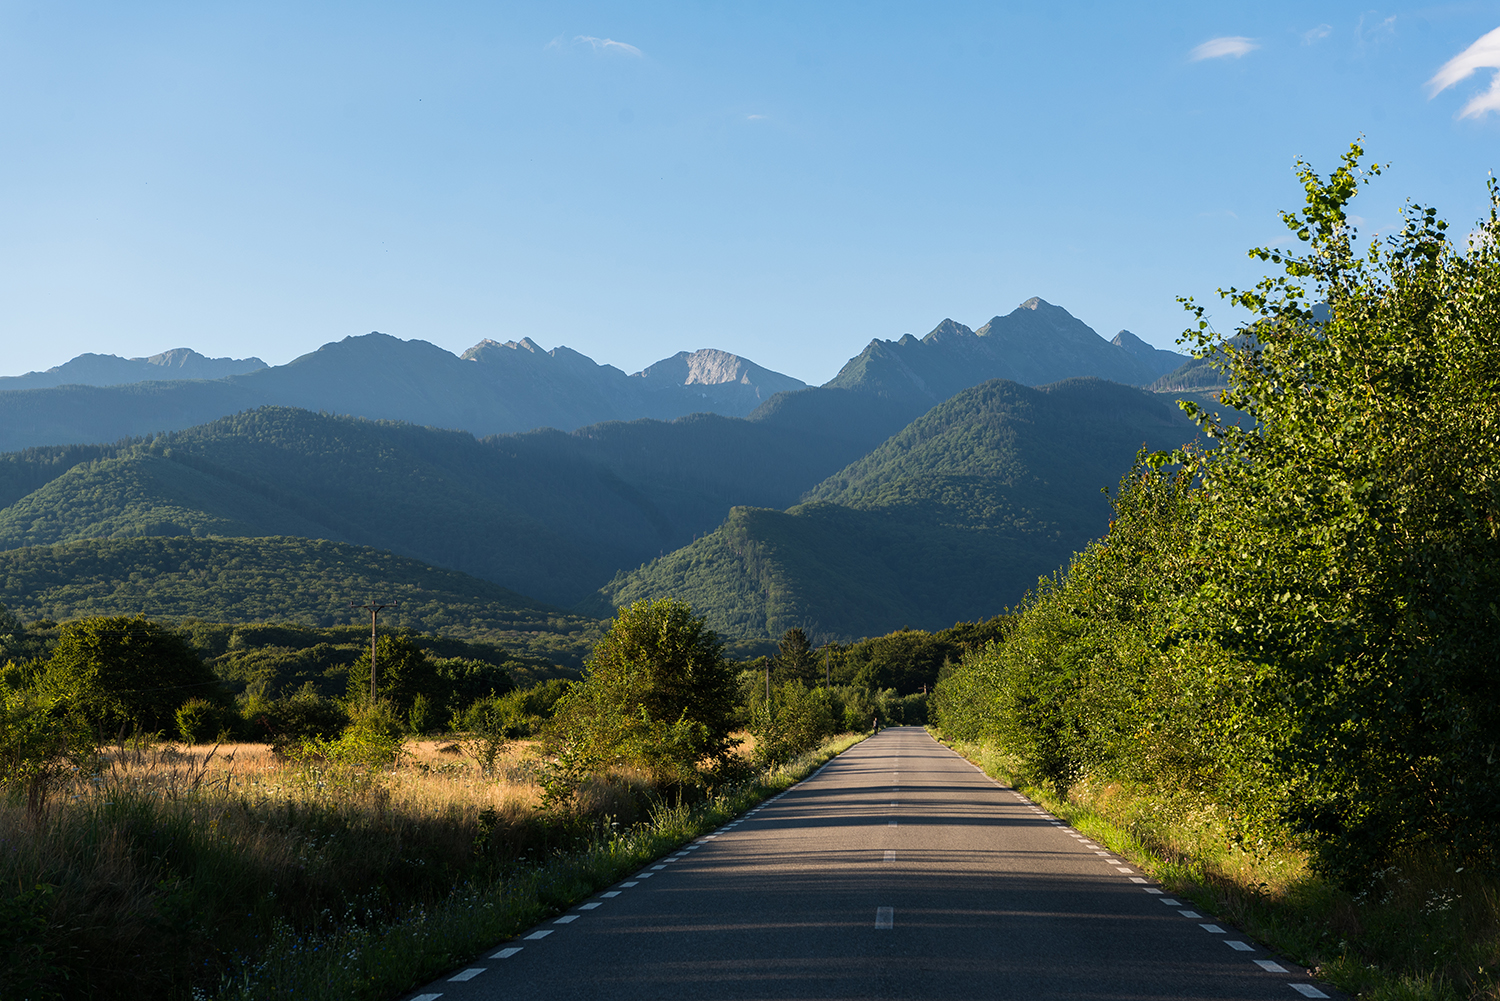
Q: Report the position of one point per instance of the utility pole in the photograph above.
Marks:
(374, 608)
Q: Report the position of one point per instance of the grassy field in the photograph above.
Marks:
(229, 873)
(1421, 932)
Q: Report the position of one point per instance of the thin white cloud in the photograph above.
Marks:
(1376, 31)
(754, 118)
(1219, 48)
(1482, 55)
(1317, 34)
(607, 45)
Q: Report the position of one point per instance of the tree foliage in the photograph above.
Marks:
(127, 672)
(658, 695)
(1299, 624)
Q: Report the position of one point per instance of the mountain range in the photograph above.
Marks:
(499, 388)
(112, 370)
(841, 508)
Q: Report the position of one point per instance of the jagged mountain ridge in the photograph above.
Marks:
(513, 386)
(1035, 344)
(493, 389)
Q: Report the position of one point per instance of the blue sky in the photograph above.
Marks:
(781, 180)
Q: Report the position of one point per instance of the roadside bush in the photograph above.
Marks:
(288, 722)
(797, 720)
(657, 696)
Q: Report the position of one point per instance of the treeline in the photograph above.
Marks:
(1295, 633)
(305, 582)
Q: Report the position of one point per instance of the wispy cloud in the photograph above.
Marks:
(1482, 55)
(1317, 34)
(1371, 31)
(607, 45)
(1219, 48)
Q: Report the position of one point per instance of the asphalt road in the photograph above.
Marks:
(898, 871)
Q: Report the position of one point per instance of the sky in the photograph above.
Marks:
(784, 181)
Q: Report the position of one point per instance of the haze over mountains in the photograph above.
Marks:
(841, 509)
(498, 388)
(112, 370)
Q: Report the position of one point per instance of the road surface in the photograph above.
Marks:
(898, 871)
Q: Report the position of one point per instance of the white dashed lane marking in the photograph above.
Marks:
(507, 952)
(1212, 929)
(566, 919)
(426, 997)
(610, 893)
(1239, 946)
(1307, 990)
(538, 934)
(1270, 966)
(468, 974)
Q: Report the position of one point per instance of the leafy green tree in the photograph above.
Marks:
(43, 738)
(402, 673)
(657, 695)
(1352, 537)
(127, 672)
(796, 719)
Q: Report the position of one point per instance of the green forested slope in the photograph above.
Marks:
(289, 580)
(546, 513)
(954, 518)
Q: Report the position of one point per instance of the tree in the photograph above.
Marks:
(124, 671)
(404, 673)
(795, 658)
(1351, 539)
(657, 695)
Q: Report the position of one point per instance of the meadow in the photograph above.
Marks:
(230, 872)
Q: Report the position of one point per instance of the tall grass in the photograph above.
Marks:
(198, 872)
(1419, 931)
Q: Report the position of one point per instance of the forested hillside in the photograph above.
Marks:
(954, 518)
(545, 513)
(288, 580)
